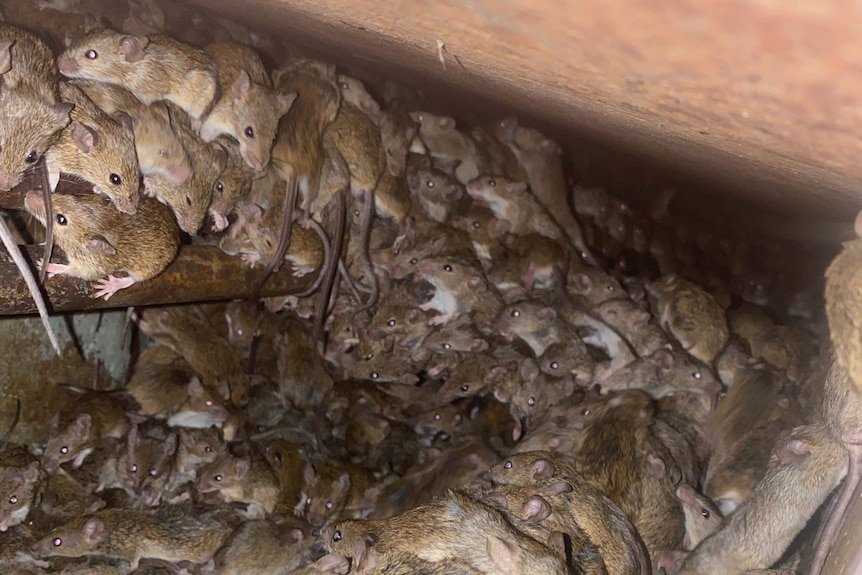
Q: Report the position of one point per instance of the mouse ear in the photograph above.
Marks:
(446, 123)
(219, 156)
(60, 114)
(241, 85)
(124, 119)
(285, 101)
(94, 530)
(99, 245)
(242, 466)
(6, 55)
(84, 137)
(535, 509)
(517, 187)
(503, 554)
(133, 47)
(195, 388)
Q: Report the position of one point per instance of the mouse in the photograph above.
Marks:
(100, 241)
(144, 466)
(568, 358)
(247, 479)
(702, 516)
(635, 324)
(302, 377)
(533, 322)
(484, 229)
(79, 427)
(397, 131)
(247, 108)
(435, 191)
(787, 348)
(30, 91)
(208, 354)
(541, 159)
(742, 431)
(460, 288)
(446, 143)
(512, 202)
(491, 546)
(353, 92)
(431, 238)
(525, 266)
(191, 199)
(166, 388)
(158, 148)
(152, 67)
(20, 478)
(692, 316)
(331, 491)
(232, 186)
(196, 447)
(264, 547)
(843, 305)
(97, 147)
(661, 520)
(132, 536)
(594, 284)
(804, 467)
(502, 159)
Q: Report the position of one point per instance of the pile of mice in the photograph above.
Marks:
(532, 390)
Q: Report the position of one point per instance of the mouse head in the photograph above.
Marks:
(159, 150)
(68, 442)
(196, 447)
(31, 124)
(72, 540)
(257, 110)
(326, 494)
(397, 137)
(233, 184)
(353, 92)
(524, 469)
(103, 55)
(17, 491)
(146, 459)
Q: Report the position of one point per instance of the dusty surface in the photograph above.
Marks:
(760, 99)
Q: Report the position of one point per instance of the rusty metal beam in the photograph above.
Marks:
(200, 273)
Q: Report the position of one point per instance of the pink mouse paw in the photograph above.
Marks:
(438, 320)
(249, 259)
(110, 285)
(300, 270)
(53, 269)
(220, 222)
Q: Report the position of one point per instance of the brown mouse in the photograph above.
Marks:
(435, 191)
(144, 466)
(158, 148)
(535, 323)
(263, 547)
(397, 131)
(195, 448)
(460, 288)
(100, 241)
(247, 108)
(353, 92)
(131, 536)
(20, 481)
(805, 466)
(166, 388)
(247, 479)
(233, 185)
(513, 202)
(692, 316)
(153, 68)
(702, 516)
(541, 158)
(97, 147)
(34, 114)
(462, 527)
(528, 265)
(844, 307)
(445, 142)
(79, 427)
(191, 199)
(331, 491)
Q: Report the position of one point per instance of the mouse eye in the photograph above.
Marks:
(696, 375)
(705, 512)
(91, 54)
(61, 219)
(465, 387)
(13, 500)
(32, 157)
(154, 472)
(219, 187)
(133, 468)
(516, 313)
(391, 323)
(414, 261)
(308, 501)
(115, 179)
(57, 542)
(188, 201)
(344, 86)
(64, 450)
(476, 225)
(492, 183)
(249, 132)
(555, 365)
(447, 268)
(208, 403)
(447, 346)
(430, 183)
(208, 449)
(585, 411)
(507, 465)
(336, 536)
(531, 402)
(374, 375)
(218, 477)
(329, 504)
(436, 417)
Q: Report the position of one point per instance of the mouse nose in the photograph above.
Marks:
(8, 182)
(67, 65)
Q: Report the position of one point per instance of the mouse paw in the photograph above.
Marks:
(438, 320)
(249, 259)
(53, 269)
(300, 270)
(110, 285)
(220, 223)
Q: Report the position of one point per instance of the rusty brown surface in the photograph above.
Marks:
(762, 99)
(200, 273)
